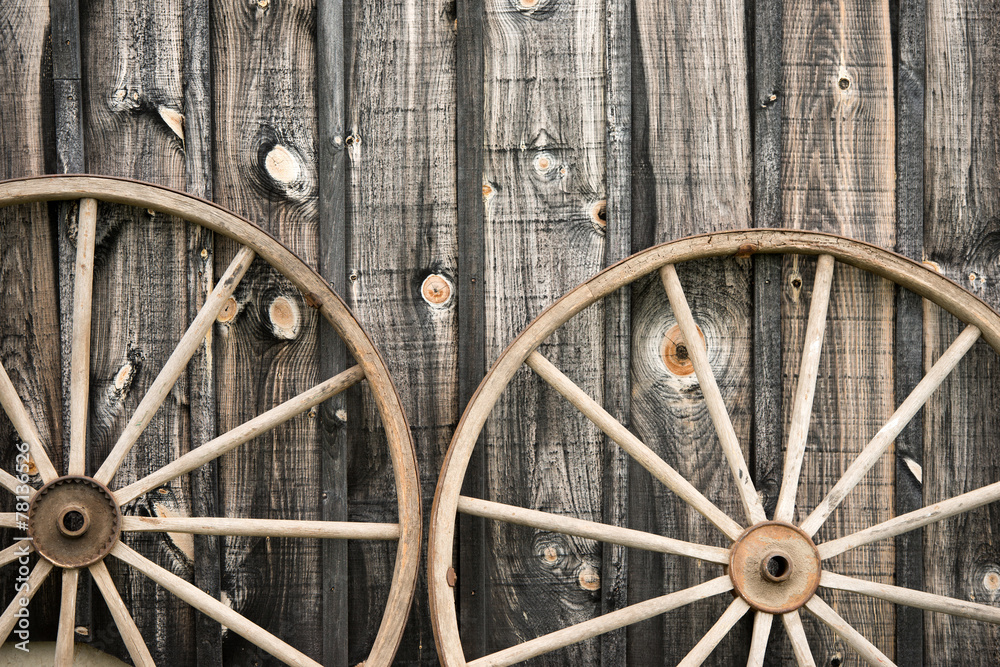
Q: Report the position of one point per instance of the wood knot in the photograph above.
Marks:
(589, 579)
(282, 165)
(284, 315)
(228, 311)
(676, 355)
(599, 214)
(991, 582)
(436, 290)
(746, 250)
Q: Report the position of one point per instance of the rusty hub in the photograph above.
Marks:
(74, 521)
(775, 567)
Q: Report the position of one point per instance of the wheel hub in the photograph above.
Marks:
(74, 521)
(775, 567)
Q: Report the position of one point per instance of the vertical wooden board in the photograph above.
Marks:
(263, 73)
(838, 176)
(544, 188)
(131, 58)
(691, 174)
(29, 316)
(962, 239)
(402, 258)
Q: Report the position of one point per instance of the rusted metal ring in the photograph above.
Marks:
(94, 521)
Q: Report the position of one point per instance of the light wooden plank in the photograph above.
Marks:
(961, 203)
(83, 294)
(838, 175)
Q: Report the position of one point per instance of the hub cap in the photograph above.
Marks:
(74, 521)
(775, 567)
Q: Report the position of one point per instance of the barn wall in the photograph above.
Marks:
(453, 168)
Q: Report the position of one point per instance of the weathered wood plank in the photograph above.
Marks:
(617, 316)
(331, 107)
(690, 106)
(201, 281)
(402, 260)
(265, 120)
(132, 62)
(469, 87)
(837, 159)
(544, 185)
(909, 25)
(29, 314)
(766, 108)
(962, 167)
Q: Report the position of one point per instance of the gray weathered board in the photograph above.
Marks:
(452, 168)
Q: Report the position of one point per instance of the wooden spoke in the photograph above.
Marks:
(870, 455)
(241, 434)
(9, 520)
(176, 364)
(912, 598)
(590, 530)
(15, 551)
(762, 622)
(645, 456)
(797, 635)
(854, 639)
(12, 484)
(912, 520)
(605, 623)
(345, 530)
(137, 648)
(65, 641)
(25, 427)
(805, 389)
(9, 618)
(209, 606)
(737, 609)
(713, 397)
(79, 378)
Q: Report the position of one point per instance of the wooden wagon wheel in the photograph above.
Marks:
(774, 567)
(76, 521)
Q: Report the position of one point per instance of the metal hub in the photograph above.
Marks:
(775, 567)
(74, 521)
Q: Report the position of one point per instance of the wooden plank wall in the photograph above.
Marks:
(453, 168)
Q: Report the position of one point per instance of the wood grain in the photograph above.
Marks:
(265, 148)
(691, 173)
(29, 316)
(132, 57)
(544, 187)
(838, 155)
(962, 206)
(402, 264)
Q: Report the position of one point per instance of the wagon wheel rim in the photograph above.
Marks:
(798, 552)
(72, 509)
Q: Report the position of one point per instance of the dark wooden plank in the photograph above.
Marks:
(401, 92)
(200, 280)
(331, 106)
(838, 176)
(70, 158)
(29, 316)
(469, 86)
(961, 422)
(544, 184)
(617, 215)
(265, 120)
(909, 52)
(132, 62)
(690, 110)
(765, 33)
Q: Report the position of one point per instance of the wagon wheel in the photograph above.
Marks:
(774, 567)
(76, 521)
